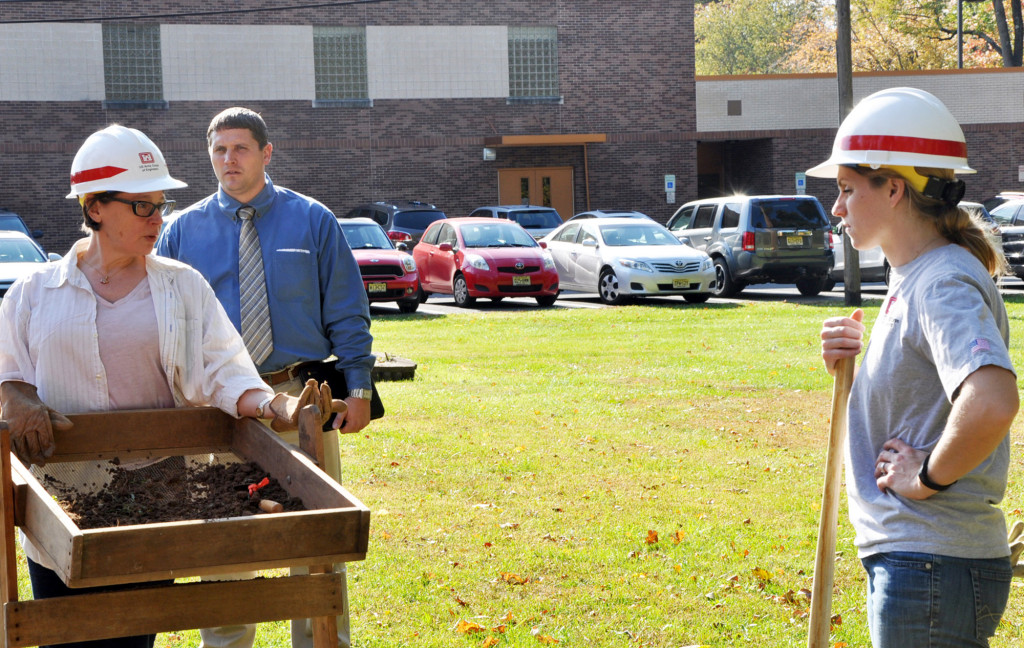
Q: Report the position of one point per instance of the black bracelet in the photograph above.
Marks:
(926, 480)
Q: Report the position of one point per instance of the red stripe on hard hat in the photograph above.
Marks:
(902, 144)
(99, 173)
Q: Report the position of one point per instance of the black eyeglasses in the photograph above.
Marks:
(144, 208)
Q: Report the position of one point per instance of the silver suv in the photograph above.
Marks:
(759, 239)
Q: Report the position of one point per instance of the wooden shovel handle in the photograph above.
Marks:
(825, 554)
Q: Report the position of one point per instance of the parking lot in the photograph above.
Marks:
(445, 305)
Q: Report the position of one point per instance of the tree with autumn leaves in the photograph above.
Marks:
(792, 36)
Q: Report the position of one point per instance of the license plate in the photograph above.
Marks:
(377, 287)
(794, 240)
(520, 281)
(680, 284)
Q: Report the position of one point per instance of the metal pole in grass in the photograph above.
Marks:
(825, 554)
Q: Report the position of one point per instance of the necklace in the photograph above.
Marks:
(105, 279)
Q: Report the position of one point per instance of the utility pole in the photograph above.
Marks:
(844, 75)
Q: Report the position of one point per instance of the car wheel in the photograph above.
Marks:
(725, 285)
(697, 298)
(829, 285)
(546, 300)
(608, 288)
(421, 294)
(810, 286)
(460, 291)
(408, 305)
(887, 268)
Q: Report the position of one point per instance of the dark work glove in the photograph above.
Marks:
(30, 421)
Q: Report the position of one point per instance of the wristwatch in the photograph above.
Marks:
(262, 407)
(365, 394)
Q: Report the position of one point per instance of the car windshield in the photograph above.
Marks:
(12, 223)
(416, 220)
(786, 214)
(496, 235)
(626, 235)
(17, 251)
(536, 218)
(365, 236)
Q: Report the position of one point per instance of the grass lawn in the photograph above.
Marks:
(633, 476)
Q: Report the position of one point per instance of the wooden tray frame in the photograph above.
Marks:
(334, 529)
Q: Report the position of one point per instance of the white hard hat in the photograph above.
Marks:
(903, 127)
(120, 159)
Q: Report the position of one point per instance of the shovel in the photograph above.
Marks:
(825, 555)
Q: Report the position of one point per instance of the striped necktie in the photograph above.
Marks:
(255, 310)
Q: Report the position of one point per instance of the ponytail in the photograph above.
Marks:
(952, 222)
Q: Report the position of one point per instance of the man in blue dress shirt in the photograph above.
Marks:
(317, 303)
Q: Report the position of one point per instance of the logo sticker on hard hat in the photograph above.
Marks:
(146, 157)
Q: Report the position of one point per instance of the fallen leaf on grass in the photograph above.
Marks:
(678, 536)
(652, 537)
(514, 579)
(489, 642)
(469, 627)
(762, 575)
(547, 640)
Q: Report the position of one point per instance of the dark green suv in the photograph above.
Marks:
(759, 239)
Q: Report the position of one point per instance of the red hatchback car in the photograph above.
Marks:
(484, 257)
(389, 274)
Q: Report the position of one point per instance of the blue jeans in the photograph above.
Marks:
(927, 601)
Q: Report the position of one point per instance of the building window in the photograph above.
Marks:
(132, 68)
(339, 55)
(533, 63)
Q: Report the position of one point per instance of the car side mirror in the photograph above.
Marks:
(590, 243)
(53, 256)
(543, 244)
(402, 247)
(445, 247)
(37, 234)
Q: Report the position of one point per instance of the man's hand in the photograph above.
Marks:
(30, 421)
(357, 417)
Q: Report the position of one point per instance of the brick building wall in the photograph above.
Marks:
(624, 70)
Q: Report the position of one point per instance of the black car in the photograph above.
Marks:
(404, 221)
(1010, 217)
(12, 222)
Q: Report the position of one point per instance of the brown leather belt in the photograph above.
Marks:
(276, 378)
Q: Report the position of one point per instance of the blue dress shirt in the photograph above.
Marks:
(318, 305)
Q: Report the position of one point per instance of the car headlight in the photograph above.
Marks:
(636, 265)
(707, 264)
(549, 263)
(477, 261)
(409, 264)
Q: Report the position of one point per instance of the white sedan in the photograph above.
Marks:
(621, 258)
(19, 255)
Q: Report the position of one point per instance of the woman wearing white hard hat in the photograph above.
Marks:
(111, 326)
(935, 394)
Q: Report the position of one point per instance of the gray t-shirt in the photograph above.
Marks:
(943, 318)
